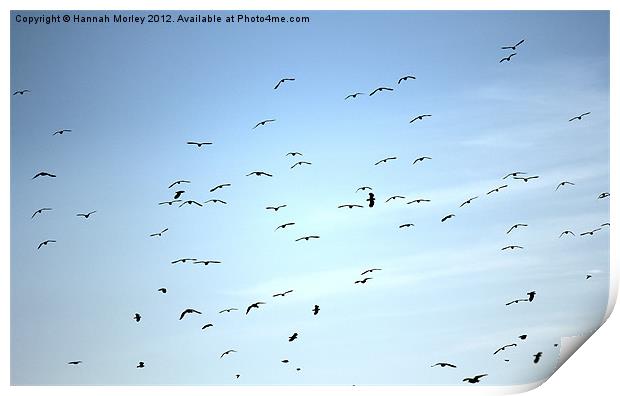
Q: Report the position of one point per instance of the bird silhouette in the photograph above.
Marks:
(307, 238)
(137, 317)
(364, 188)
(525, 179)
(61, 131)
(420, 159)
(523, 336)
(293, 153)
(394, 197)
(447, 217)
(588, 276)
(178, 182)
(514, 47)
(380, 89)
(275, 208)
(228, 310)
(43, 174)
(263, 123)
(504, 348)
(579, 117)
(75, 362)
(39, 211)
(514, 174)
(199, 144)
(537, 357)
(467, 202)
(190, 202)
(353, 95)
(159, 233)
(207, 262)
(361, 281)
(182, 260)
(516, 301)
(603, 195)
(283, 226)
(207, 326)
(405, 78)
(21, 92)
(86, 215)
(177, 194)
(301, 163)
(371, 200)
(385, 160)
(406, 225)
(170, 202)
(420, 117)
(216, 201)
(163, 290)
(140, 365)
(418, 201)
(474, 379)
(563, 184)
(285, 361)
(350, 206)
(293, 337)
(443, 364)
(283, 80)
(512, 247)
(507, 58)
(227, 352)
(566, 233)
(219, 186)
(497, 189)
(316, 309)
(255, 305)
(45, 243)
(259, 173)
(590, 232)
(368, 271)
(515, 227)
(189, 311)
(531, 295)
(298, 369)
(283, 293)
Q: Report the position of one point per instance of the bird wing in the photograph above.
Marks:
(519, 43)
(373, 92)
(278, 84)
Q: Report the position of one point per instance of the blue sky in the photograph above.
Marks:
(133, 95)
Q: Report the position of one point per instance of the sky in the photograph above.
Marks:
(133, 95)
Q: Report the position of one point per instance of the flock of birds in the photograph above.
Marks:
(178, 194)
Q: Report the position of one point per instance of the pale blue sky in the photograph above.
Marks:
(133, 95)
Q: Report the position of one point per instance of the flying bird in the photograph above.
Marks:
(307, 238)
(285, 361)
(199, 144)
(43, 174)
(514, 47)
(178, 182)
(370, 270)
(420, 117)
(516, 301)
(603, 195)
(177, 194)
(475, 379)
(420, 159)
(350, 206)
(385, 160)
(531, 295)
(227, 352)
(537, 357)
(566, 233)
(353, 95)
(255, 305)
(442, 364)
(182, 260)
(523, 336)
(137, 317)
(259, 173)
(361, 281)
(371, 200)
(219, 186)
(406, 225)
(563, 184)
(189, 202)
(163, 290)
(293, 153)
(405, 78)
(283, 226)
(364, 188)
(504, 348)
(301, 163)
(159, 233)
(75, 362)
(418, 201)
(217, 201)
(207, 262)
(590, 232)
(189, 311)
(514, 174)
(275, 208)
(293, 337)
(283, 80)
(447, 217)
(507, 58)
(467, 202)
(86, 215)
(21, 92)
(588, 276)
(170, 202)
(228, 310)
(578, 117)
(45, 243)
(516, 226)
(512, 247)
(207, 325)
(262, 123)
(525, 179)
(61, 131)
(497, 189)
(283, 293)
(140, 365)
(380, 89)
(39, 211)
(316, 309)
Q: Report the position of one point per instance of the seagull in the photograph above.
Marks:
(370, 270)
(188, 311)
(419, 200)
(259, 173)
(467, 202)
(537, 357)
(285, 361)
(514, 174)
(86, 215)
(590, 232)
(523, 336)
(507, 58)
(531, 295)
(353, 95)
(216, 201)
(350, 206)
(237, 375)
(475, 379)
(514, 47)
(497, 189)
(516, 226)
(420, 117)
(39, 211)
(189, 202)
(219, 186)
(361, 281)
(512, 247)
(447, 217)
(255, 305)
(516, 301)
(525, 179)
(307, 238)
(227, 352)
(182, 260)
(159, 233)
(207, 262)
(199, 144)
(137, 317)
(504, 348)
(275, 208)
(163, 290)
(420, 159)
(301, 163)
(603, 195)
(588, 276)
(140, 365)
(262, 123)
(178, 182)
(579, 117)
(45, 243)
(283, 293)
(177, 194)
(21, 92)
(228, 310)
(293, 153)
(61, 131)
(371, 200)
(43, 174)
(385, 160)
(566, 233)
(442, 364)
(380, 89)
(405, 78)
(406, 225)
(563, 184)
(364, 188)
(283, 226)
(170, 202)
(293, 337)
(316, 309)
(207, 325)
(75, 362)
(282, 80)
